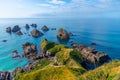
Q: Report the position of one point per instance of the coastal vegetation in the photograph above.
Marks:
(60, 62)
(67, 66)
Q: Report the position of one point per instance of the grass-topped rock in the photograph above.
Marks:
(67, 66)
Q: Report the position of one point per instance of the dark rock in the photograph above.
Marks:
(71, 34)
(45, 28)
(30, 50)
(62, 34)
(16, 28)
(34, 25)
(53, 28)
(27, 26)
(93, 43)
(91, 54)
(4, 40)
(4, 75)
(16, 55)
(36, 33)
(19, 33)
(8, 29)
(17, 71)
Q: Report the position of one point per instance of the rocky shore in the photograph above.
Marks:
(79, 57)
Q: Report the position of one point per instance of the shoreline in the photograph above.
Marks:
(39, 34)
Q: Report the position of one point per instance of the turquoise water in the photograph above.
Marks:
(104, 32)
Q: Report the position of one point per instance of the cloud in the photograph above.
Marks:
(60, 8)
(59, 2)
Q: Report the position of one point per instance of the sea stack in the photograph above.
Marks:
(36, 33)
(45, 28)
(27, 26)
(8, 29)
(16, 28)
(63, 34)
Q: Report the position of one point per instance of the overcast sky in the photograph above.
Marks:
(59, 8)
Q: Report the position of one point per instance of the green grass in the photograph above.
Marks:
(106, 72)
(49, 73)
(68, 66)
(76, 56)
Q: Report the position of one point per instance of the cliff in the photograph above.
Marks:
(62, 63)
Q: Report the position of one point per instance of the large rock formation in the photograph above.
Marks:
(36, 33)
(4, 76)
(45, 28)
(30, 50)
(91, 54)
(62, 34)
(19, 33)
(16, 28)
(8, 29)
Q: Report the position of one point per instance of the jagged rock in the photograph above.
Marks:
(19, 33)
(34, 25)
(17, 71)
(27, 26)
(16, 55)
(30, 50)
(45, 28)
(8, 29)
(91, 54)
(16, 28)
(36, 33)
(4, 75)
(62, 34)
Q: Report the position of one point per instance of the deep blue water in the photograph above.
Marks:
(104, 32)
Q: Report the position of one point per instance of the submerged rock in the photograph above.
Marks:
(30, 50)
(71, 34)
(53, 28)
(93, 43)
(4, 75)
(16, 28)
(34, 25)
(36, 33)
(62, 34)
(8, 29)
(19, 33)
(45, 28)
(27, 26)
(4, 40)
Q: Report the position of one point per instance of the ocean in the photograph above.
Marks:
(105, 32)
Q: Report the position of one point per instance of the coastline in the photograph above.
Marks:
(17, 28)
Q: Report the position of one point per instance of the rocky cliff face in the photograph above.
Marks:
(91, 54)
(4, 75)
(30, 50)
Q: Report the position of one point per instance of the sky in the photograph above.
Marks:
(59, 8)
